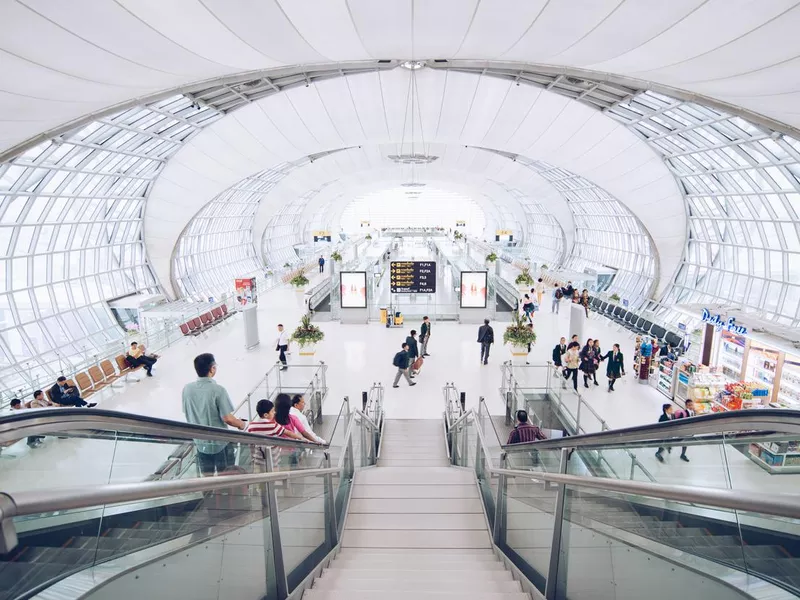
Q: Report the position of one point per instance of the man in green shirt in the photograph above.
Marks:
(205, 402)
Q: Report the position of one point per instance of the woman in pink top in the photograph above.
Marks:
(283, 416)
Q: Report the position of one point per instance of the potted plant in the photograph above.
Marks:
(307, 336)
(518, 335)
(299, 281)
(614, 297)
(368, 236)
(544, 267)
(286, 265)
(457, 235)
(335, 256)
(491, 257)
(524, 281)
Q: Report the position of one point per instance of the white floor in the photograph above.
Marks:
(358, 356)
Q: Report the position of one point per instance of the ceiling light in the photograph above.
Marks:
(412, 65)
(413, 159)
(413, 184)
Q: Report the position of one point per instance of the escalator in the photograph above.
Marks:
(744, 547)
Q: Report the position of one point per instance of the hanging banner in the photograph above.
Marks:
(246, 292)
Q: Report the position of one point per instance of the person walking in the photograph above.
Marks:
(666, 415)
(485, 339)
(205, 402)
(413, 351)
(558, 294)
(614, 365)
(539, 287)
(685, 414)
(588, 365)
(584, 301)
(572, 360)
(598, 355)
(282, 345)
(527, 308)
(321, 262)
(424, 335)
(401, 361)
(558, 353)
(530, 346)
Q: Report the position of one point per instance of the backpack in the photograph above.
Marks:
(559, 294)
(396, 361)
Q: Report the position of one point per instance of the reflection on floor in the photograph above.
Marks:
(358, 356)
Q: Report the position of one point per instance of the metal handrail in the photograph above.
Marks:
(53, 420)
(768, 422)
(779, 505)
(34, 502)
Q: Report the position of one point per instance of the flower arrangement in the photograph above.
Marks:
(491, 257)
(299, 280)
(458, 235)
(336, 256)
(518, 333)
(614, 297)
(307, 333)
(524, 278)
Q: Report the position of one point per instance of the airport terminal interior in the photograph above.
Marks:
(431, 299)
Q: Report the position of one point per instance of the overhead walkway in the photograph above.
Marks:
(397, 509)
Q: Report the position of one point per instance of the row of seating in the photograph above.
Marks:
(96, 378)
(205, 321)
(635, 323)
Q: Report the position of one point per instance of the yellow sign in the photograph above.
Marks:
(503, 232)
(322, 233)
(461, 223)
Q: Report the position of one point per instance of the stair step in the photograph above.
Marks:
(412, 462)
(417, 552)
(486, 571)
(413, 491)
(465, 565)
(368, 538)
(410, 475)
(412, 584)
(388, 521)
(416, 505)
(313, 594)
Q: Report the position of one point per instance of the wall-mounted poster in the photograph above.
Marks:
(473, 289)
(322, 236)
(246, 292)
(353, 288)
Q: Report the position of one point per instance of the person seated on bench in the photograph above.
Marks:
(65, 395)
(136, 357)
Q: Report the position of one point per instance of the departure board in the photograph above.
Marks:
(413, 277)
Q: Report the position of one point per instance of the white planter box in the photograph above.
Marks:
(519, 354)
(308, 350)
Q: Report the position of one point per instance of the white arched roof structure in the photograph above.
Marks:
(65, 60)
(457, 109)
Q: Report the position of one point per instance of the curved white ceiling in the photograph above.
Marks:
(60, 61)
(456, 109)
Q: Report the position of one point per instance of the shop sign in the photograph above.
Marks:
(720, 323)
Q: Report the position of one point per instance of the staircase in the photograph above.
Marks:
(415, 529)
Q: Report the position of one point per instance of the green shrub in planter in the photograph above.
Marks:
(307, 333)
(491, 257)
(299, 280)
(368, 237)
(524, 278)
(336, 256)
(518, 333)
(544, 267)
(457, 235)
(286, 265)
(614, 297)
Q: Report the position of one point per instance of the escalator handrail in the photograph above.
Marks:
(769, 421)
(33, 502)
(779, 505)
(49, 421)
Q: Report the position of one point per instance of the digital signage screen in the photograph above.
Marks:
(473, 289)
(413, 277)
(353, 288)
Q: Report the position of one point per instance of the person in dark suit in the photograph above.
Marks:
(321, 263)
(666, 415)
(65, 395)
(485, 339)
(413, 350)
(558, 352)
(614, 365)
(424, 335)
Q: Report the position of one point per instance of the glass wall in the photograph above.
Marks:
(606, 233)
(217, 245)
(71, 237)
(742, 187)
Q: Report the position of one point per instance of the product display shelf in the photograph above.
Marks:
(776, 457)
(665, 377)
(732, 359)
(789, 385)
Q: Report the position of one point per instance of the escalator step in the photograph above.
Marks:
(779, 567)
(19, 576)
(704, 541)
(749, 552)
